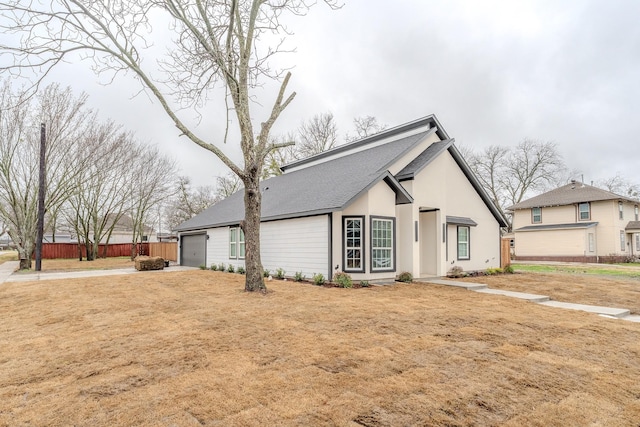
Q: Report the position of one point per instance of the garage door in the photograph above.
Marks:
(193, 250)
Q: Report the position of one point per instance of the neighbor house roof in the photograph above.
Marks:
(572, 225)
(568, 195)
(633, 225)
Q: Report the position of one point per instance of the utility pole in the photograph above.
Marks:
(41, 192)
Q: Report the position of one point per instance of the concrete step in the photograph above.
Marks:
(512, 294)
(606, 311)
(631, 318)
(466, 285)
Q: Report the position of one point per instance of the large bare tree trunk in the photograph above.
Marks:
(254, 280)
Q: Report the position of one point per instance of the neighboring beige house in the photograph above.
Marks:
(401, 200)
(578, 223)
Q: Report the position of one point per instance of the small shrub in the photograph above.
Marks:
(240, 270)
(265, 273)
(509, 269)
(222, 267)
(214, 267)
(492, 271)
(364, 283)
(231, 268)
(203, 267)
(318, 279)
(456, 271)
(343, 279)
(298, 277)
(406, 277)
(280, 273)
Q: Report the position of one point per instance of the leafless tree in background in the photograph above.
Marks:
(20, 118)
(215, 42)
(509, 174)
(187, 202)
(620, 185)
(365, 126)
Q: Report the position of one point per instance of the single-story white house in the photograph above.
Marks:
(401, 200)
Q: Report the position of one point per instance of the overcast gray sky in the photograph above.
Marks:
(494, 72)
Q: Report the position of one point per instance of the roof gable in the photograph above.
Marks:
(569, 194)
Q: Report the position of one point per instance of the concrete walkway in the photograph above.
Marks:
(611, 312)
(7, 276)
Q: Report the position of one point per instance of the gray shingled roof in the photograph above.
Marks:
(633, 225)
(461, 220)
(568, 195)
(576, 225)
(423, 159)
(322, 188)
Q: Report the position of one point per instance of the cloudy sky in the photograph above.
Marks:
(494, 72)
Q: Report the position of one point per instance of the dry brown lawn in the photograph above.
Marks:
(192, 349)
(97, 264)
(575, 288)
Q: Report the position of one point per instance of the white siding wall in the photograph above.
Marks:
(299, 244)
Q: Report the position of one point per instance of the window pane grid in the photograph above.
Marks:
(381, 244)
(353, 244)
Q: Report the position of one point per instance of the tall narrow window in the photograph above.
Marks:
(584, 211)
(353, 243)
(463, 242)
(241, 247)
(638, 242)
(635, 209)
(620, 210)
(236, 243)
(233, 243)
(382, 244)
(622, 241)
(592, 242)
(536, 215)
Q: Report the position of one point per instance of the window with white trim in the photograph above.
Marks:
(536, 215)
(382, 244)
(236, 243)
(353, 243)
(622, 241)
(463, 242)
(620, 210)
(635, 209)
(592, 242)
(584, 211)
(638, 242)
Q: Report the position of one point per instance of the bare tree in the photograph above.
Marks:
(509, 174)
(226, 185)
(20, 118)
(214, 42)
(187, 202)
(365, 126)
(620, 185)
(152, 174)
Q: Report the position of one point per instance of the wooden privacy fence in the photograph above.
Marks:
(505, 253)
(166, 250)
(73, 250)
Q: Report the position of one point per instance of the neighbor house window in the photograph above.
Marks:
(620, 210)
(382, 230)
(236, 243)
(584, 211)
(536, 215)
(637, 241)
(622, 241)
(592, 242)
(463, 242)
(353, 244)
(635, 209)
